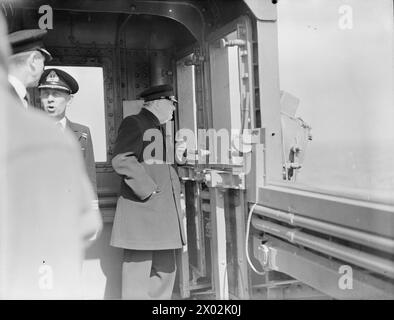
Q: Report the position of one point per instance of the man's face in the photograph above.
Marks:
(168, 108)
(55, 102)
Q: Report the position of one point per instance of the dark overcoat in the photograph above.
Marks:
(145, 221)
(83, 136)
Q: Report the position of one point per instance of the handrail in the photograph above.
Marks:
(367, 239)
(365, 260)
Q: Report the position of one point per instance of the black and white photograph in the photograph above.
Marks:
(206, 151)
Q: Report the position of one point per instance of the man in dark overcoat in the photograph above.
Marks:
(148, 220)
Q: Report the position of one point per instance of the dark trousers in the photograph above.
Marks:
(148, 274)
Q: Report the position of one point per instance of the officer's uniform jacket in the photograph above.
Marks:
(82, 134)
(45, 207)
(145, 221)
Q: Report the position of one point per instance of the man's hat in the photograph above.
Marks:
(164, 91)
(58, 79)
(29, 40)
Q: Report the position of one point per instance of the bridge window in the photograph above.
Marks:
(87, 107)
(337, 60)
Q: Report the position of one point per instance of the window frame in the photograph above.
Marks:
(94, 57)
(335, 206)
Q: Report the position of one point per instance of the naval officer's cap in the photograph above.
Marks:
(29, 40)
(164, 91)
(58, 79)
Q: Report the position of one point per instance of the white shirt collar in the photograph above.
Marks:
(62, 123)
(19, 88)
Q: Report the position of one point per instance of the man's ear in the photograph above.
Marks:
(30, 61)
(33, 57)
(70, 99)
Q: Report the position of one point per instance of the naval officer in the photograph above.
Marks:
(57, 89)
(45, 213)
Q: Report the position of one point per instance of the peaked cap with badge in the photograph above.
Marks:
(164, 91)
(29, 40)
(58, 79)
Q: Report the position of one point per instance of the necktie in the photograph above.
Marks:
(27, 98)
(59, 125)
(25, 101)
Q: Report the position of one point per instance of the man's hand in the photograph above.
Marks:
(134, 175)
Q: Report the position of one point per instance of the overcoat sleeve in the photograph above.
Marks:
(128, 147)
